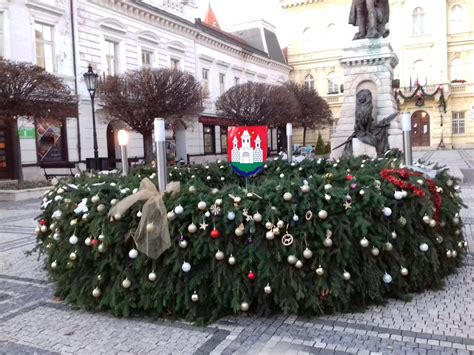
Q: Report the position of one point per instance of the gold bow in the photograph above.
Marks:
(152, 236)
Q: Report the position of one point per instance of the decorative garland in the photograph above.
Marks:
(420, 94)
(386, 174)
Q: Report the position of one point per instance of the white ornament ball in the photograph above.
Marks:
(267, 289)
(186, 267)
(327, 242)
(219, 202)
(230, 215)
(375, 251)
(346, 275)
(95, 198)
(54, 264)
(257, 217)
(37, 230)
(280, 224)
(101, 248)
(101, 237)
(404, 271)
(113, 201)
(135, 190)
(362, 192)
(305, 188)
(299, 264)
(72, 223)
(388, 246)
(231, 260)
(239, 232)
(432, 223)
(449, 182)
(117, 216)
(152, 276)
(387, 278)
(449, 254)
(208, 178)
(424, 247)
(244, 306)
(398, 195)
(296, 218)
(323, 214)
(320, 271)
(139, 214)
(44, 229)
(327, 187)
(192, 228)
(276, 231)
(364, 243)
(84, 216)
(307, 253)
(287, 196)
(100, 208)
(194, 297)
(426, 219)
(133, 254)
(207, 214)
(61, 191)
(96, 292)
(87, 241)
(150, 227)
(387, 211)
(292, 259)
(269, 235)
(57, 236)
(192, 189)
(73, 256)
(73, 239)
(404, 193)
(456, 220)
(126, 283)
(178, 209)
(394, 235)
(202, 205)
(183, 243)
(219, 255)
(454, 253)
(282, 176)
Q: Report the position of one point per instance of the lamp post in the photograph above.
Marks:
(123, 141)
(406, 128)
(90, 79)
(160, 140)
(289, 141)
(441, 144)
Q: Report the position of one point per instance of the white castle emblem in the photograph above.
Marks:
(246, 154)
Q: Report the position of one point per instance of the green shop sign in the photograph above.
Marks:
(26, 133)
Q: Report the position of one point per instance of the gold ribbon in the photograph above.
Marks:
(152, 236)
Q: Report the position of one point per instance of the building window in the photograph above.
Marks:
(332, 84)
(458, 123)
(111, 58)
(51, 139)
(457, 70)
(419, 72)
(236, 80)
(205, 80)
(418, 21)
(147, 58)
(456, 19)
(209, 139)
(175, 64)
(221, 83)
(308, 39)
(44, 46)
(309, 82)
(223, 139)
(2, 45)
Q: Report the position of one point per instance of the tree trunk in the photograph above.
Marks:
(304, 136)
(148, 146)
(16, 150)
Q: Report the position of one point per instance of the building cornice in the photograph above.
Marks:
(297, 3)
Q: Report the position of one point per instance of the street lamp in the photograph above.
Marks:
(406, 128)
(161, 162)
(123, 141)
(442, 109)
(289, 141)
(90, 79)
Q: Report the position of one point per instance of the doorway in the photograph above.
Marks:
(420, 129)
(5, 152)
(111, 146)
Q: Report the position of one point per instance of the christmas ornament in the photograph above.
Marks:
(282, 176)
(364, 243)
(308, 216)
(327, 242)
(96, 292)
(449, 182)
(375, 251)
(231, 260)
(267, 289)
(73, 256)
(387, 211)
(207, 214)
(201, 205)
(152, 276)
(244, 306)
(276, 231)
(268, 225)
(305, 188)
(439, 239)
(126, 283)
(257, 217)
(73, 239)
(404, 271)
(192, 189)
(139, 214)
(113, 201)
(178, 210)
(54, 264)
(347, 205)
(398, 195)
(37, 230)
(183, 243)
(72, 223)
(101, 237)
(57, 236)
(449, 254)
(424, 247)
(203, 225)
(387, 278)
(87, 241)
(320, 271)
(388, 246)
(394, 235)
(327, 187)
(287, 196)
(192, 228)
(323, 214)
(402, 220)
(269, 235)
(215, 233)
(327, 197)
(307, 253)
(299, 264)
(133, 254)
(287, 239)
(44, 229)
(239, 232)
(194, 297)
(150, 227)
(456, 220)
(215, 210)
(362, 192)
(186, 267)
(230, 216)
(251, 275)
(101, 208)
(208, 178)
(280, 224)
(101, 248)
(95, 198)
(346, 275)
(219, 255)
(432, 223)
(292, 259)
(454, 253)
(170, 215)
(426, 219)
(295, 218)
(218, 202)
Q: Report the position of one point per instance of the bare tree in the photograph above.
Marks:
(29, 91)
(314, 111)
(258, 103)
(139, 96)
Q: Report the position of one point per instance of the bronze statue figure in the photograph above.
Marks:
(370, 16)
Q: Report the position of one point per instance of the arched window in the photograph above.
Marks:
(309, 82)
(456, 19)
(308, 39)
(332, 83)
(457, 70)
(418, 21)
(419, 72)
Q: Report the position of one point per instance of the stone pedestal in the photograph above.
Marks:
(361, 148)
(368, 64)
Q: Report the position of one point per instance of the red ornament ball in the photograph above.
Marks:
(349, 177)
(94, 242)
(215, 234)
(42, 222)
(251, 276)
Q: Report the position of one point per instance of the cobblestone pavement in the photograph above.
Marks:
(31, 321)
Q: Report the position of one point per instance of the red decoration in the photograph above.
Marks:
(215, 234)
(251, 276)
(349, 177)
(247, 149)
(42, 222)
(387, 174)
(94, 242)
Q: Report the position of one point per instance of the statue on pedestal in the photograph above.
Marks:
(370, 16)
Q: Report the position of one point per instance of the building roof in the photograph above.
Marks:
(210, 18)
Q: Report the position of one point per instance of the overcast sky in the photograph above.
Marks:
(230, 12)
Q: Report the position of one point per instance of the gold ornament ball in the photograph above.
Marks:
(73, 222)
(201, 205)
(327, 187)
(44, 229)
(113, 201)
(244, 306)
(101, 237)
(192, 189)
(454, 253)
(456, 220)
(276, 231)
(388, 246)
(170, 215)
(449, 254)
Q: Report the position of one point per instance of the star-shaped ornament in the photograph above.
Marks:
(203, 225)
(347, 205)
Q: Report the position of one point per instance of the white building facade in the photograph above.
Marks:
(115, 36)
